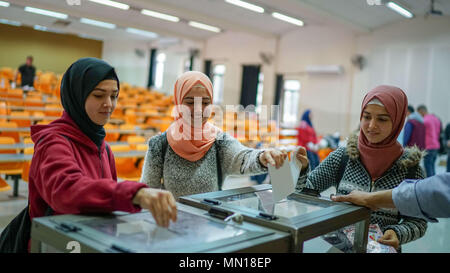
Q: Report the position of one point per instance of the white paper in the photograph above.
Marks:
(284, 179)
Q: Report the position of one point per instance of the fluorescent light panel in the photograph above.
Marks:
(399, 9)
(142, 32)
(4, 4)
(204, 26)
(41, 28)
(246, 5)
(9, 22)
(112, 4)
(160, 15)
(288, 19)
(46, 12)
(97, 23)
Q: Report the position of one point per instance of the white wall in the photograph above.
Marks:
(413, 55)
(235, 49)
(129, 67)
(134, 69)
(326, 95)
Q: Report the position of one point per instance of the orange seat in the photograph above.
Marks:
(14, 135)
(9, 168)
(126, 126)
(20, 121)
(125, 166)
(27, 164)
(111, 137)
(133, 141)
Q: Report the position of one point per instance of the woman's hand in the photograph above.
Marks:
(273, 157)
(390, 238)
(300, 154)
(160, 203)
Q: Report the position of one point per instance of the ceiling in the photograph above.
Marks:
(355, 15)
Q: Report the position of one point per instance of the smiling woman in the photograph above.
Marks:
(374, 161)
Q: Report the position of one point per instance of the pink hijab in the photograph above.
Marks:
(187, 141)
(378, 158)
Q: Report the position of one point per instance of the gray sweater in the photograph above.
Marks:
(183, 177)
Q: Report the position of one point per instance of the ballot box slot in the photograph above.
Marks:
(211, 202)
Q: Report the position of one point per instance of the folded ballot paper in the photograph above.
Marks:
(285, 178)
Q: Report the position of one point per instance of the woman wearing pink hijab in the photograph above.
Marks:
(373, 161)
(194, 156)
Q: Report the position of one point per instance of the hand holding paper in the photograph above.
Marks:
(285, 178)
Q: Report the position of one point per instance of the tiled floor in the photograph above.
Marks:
(436, 239)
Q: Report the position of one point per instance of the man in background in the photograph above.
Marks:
(447, 142)
(432, 145)
(28, 73)
(414, 131)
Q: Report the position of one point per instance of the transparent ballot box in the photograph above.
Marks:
(303, 216)
(194, 231)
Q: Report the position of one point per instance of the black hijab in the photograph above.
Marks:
(76, 85)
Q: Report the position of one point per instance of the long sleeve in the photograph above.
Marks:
(409, 228)
(236, 159)
(152, 170)
(69, 189)
(428, 198)
(324, 175)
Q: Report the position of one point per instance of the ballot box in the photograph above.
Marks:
(194, 231)
(303, 216)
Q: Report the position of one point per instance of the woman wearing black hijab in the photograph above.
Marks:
(72, 170)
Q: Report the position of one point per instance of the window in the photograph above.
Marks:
(160, 59)
(290, 102)
(218, 75)
(259, 92)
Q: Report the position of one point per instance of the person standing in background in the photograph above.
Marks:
(414, 130)
(447, 143)
(432, 145)
(28, 73)
(307, 138)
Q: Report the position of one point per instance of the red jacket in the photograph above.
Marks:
(305, 135)
(71, 175)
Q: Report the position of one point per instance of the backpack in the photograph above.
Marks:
(165, 143)
(15, 237)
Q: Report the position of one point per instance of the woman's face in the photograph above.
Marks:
(196, 100)
(376, 123)
(102, 101)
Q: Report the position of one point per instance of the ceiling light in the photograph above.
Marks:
(246, 5)
(288, 19)
(112, 4)
(142, 32)
(160, 15)
(203, 26)
(399, 9)
(4, 4)
(97, 23)
(12, 23)
(47, 12)
(41, 28)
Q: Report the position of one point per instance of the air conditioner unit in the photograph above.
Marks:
(324, 69)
